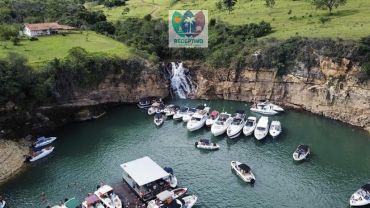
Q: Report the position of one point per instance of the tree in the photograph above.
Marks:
(328, 4)
(270, 3)
(229, 4)
(219, 5)
(125, 11)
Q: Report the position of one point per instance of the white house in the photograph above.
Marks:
(47, 28)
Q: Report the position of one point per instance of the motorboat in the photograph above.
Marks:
(189, 201)
(198, 119)
(249, 126)
(155, 107)
(171, 111)
(188, 115)
(92, 201)
(165, 199)
(2, 203)
(220, 125)
(180, 113)
(301, 152)
(40, 154)
(43, 141)
(243, 171)
(147, 101)
(264, 109)
(206, 144)
(262, 128)
(172, 180)
(273, 106)
(361, 197)
(212, 118)
(69, 203)
(159, 118)
(237, 125)
(174, 194)
(167, 109)
(275, 129)
(108, 197)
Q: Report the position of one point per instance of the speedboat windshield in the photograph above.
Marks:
(219, 122)
(195, 119)
(249, 123)
(261, 128)
(184, 109)
(236, 121)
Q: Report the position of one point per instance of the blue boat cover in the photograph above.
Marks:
(206, 141)
(168, 170)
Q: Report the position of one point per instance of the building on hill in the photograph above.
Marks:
(47, 28)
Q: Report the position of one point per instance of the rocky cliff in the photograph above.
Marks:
(331, 89)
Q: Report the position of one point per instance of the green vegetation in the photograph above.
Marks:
(59, 79)
(49, 47)
(328, 4)
(288, 18)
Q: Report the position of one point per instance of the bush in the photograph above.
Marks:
(33, 39)
(323, 20)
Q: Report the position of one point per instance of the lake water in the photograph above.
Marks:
(90, 152)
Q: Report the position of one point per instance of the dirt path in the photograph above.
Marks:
(155, 10)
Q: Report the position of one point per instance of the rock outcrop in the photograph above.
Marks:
(332, 89)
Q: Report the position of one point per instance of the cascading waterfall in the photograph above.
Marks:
(181, 83)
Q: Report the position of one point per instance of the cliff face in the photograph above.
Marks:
(332, 89)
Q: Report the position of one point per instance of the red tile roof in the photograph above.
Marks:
(48, 25)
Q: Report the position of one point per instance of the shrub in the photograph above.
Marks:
(323, 20)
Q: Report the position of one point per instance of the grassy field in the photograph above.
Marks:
(351, 21)
(57, 46)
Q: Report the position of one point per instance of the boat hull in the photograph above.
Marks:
(212, 146)
(49, 141)
(45, 152)
(189, 201)
(264, 112)
(358, 200)
(250, 178)
(300, 158)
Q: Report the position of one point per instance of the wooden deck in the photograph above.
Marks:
(127, 195)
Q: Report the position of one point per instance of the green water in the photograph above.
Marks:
(90, 152)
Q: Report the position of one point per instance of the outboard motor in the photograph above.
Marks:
(196, 144)
(252, 181)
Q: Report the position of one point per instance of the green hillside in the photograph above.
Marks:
(288, 17)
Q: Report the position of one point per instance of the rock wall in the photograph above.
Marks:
(332, 89)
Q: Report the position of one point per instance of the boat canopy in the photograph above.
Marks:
(303, 147)
(72, 203)
(164, 195)
(214, 113)
(192, 110)
(366, 187)
(92, 199)
(240, 111)
(184, 109)
(168, 170)
(200, 107)
(158, 115)
(244, 167)
(206, 141)
(105, 189)
(144, 170)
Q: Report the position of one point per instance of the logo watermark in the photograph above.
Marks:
(188, 28)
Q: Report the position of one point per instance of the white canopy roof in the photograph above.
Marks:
(144, 170)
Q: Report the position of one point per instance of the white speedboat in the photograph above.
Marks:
(174, 194)
(198, 119)
(147, 101)
(262, 128)
(40, 154)
(212, 118)
(220, 125)
(361, 197)
(165, 199)
(69, 203)
(43, 141)
(172, 110)
(108, 197)
(243, 171)
(155, 107)
(2, 203)
(92, 201)
(206, 144)
(180, 113)
(264, 109)
(159, 118)
(249, 126)
(167, 109)
(188, 115)
(189, 201)
(275, 129)
(273, 106)
(301, 152)
(172, 180)
(237, 125)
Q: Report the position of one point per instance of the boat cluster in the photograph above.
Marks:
(41, 148)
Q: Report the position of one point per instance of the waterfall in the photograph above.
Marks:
(181, 83)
